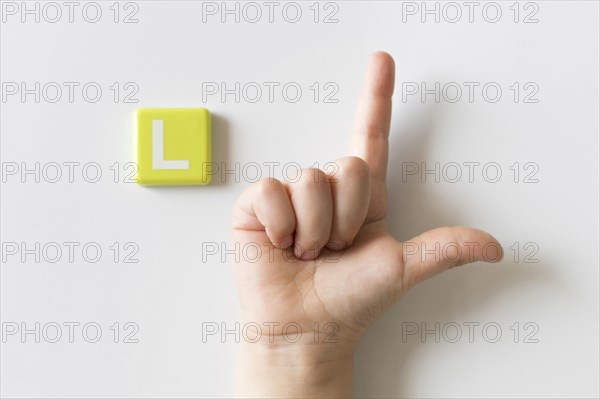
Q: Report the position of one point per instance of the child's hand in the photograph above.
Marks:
(329, 267)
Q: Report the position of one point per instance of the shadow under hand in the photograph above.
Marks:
(383, 360)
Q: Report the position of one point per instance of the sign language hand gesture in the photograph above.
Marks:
(326, 266)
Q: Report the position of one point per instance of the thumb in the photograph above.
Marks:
(443, 248)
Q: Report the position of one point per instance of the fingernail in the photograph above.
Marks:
(298, 252)
(308, 255)
(286, 242)
(336, 245)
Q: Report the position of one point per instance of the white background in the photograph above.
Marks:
(170, 292)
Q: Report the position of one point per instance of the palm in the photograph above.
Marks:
(350, 287)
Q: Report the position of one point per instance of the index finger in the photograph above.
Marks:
(373, 117)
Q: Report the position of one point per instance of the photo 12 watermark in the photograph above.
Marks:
(53, 172)
(69, 12)
(470, 12)
(489, 92)
(89, 92)
(470, 332)
(470, 172)
(289, 92)
(52, 252)
(270, 332)
(270, 12)
(53, 332)
(265, 252)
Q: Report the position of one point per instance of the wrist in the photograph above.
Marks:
(294, 371)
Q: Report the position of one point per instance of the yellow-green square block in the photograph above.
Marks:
(173, 146)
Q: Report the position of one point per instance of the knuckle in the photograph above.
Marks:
(311, 177)
(267, 187)
(353, 168)
(343, 235)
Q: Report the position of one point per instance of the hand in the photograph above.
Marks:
(327, 266)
